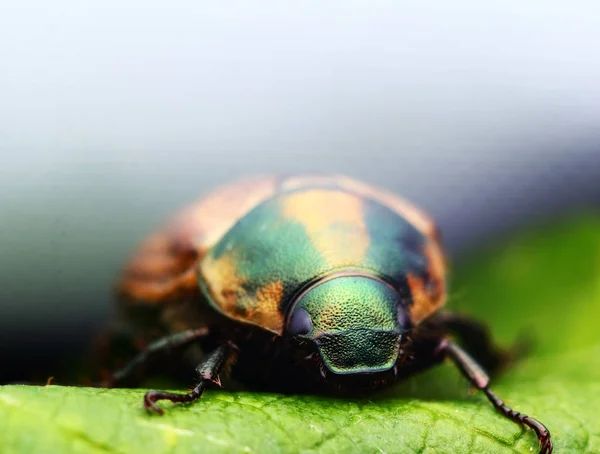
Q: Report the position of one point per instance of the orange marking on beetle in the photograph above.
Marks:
(414, 215)
(334, 221)
(423, 305)
(230, 297)
(224, 283)
(264, 310)
(159, 271)
(421, 220)
(437, 270)
(161, 260)
(142, 292)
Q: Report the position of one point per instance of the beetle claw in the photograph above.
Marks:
(547, 446)
(151, 406)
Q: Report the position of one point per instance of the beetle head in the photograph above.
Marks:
(355, 321)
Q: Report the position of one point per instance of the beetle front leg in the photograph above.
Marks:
(164, 343)
(208, 370)
(476, 375)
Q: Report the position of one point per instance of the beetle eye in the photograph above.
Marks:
(300, 323)
(403, 318)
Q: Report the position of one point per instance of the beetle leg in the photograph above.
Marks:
(208, 370)
(476, 338)
(164, 343)
(478, 378)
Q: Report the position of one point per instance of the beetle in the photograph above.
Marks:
(304, 283)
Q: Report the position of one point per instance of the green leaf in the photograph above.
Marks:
(545, 282)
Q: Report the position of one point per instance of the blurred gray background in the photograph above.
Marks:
(113, 114)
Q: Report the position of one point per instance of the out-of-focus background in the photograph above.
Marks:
(113, 114)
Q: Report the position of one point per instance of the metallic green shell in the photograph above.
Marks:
(304, 233)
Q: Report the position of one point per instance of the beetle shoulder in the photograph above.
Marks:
(163, 266)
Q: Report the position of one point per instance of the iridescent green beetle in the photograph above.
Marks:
(305, 284)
